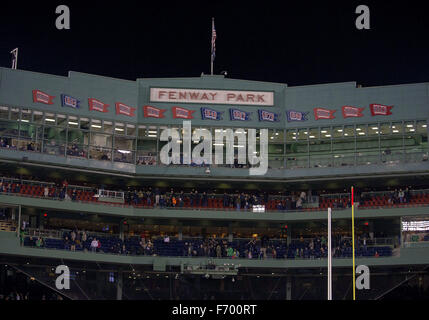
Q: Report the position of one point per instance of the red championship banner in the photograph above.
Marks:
(321, 113)
(39, 96)
(380, 110)
(124, 109)
(182, 113)
(349, 111)
(152, 112)
(97, 105)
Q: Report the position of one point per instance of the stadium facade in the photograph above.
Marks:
(102, 135)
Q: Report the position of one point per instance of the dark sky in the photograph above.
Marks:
(298, 43)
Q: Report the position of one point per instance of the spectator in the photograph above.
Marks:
(73, 245)
(230, 252)
(197, 199)
(140, 197)
(204, 200)
(303, 196)
(84, 236)
(180, 199)
(39, 242)
(299, 203)
(46, 192)
(157, 197)
(218, 251)
(142, 245)
(148, 198)
(94, 245)
(66, 243)
(407, 195)
(401, 196)
(225, 200)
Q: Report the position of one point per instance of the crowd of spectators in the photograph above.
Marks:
(206, 198)
(394, 196)
(262, 248)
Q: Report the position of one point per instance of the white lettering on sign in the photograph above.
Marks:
(263, 98)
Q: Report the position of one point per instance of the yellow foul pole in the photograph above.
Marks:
(353, 247)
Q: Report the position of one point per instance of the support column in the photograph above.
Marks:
(180, 233)
(119, 285)
(288, 288)
(121, 230)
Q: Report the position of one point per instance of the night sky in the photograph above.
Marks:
(297, 43)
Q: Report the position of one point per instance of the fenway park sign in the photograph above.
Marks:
(259, 98)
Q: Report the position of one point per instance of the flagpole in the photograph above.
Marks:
(353, 247)
(211, 55)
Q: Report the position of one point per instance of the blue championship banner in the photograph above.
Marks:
(68, 101)
(236, 114)
(211, 114)
(293, 115)
(268, 116)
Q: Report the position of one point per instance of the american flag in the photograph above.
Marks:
(14, 58)
(213, 40)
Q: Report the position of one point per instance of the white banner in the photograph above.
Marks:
(257, 98)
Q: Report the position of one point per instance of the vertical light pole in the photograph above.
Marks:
(329, 255)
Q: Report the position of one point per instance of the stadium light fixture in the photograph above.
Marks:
(73, 123)
(96, 126)
(49, 119)
(151, 135)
